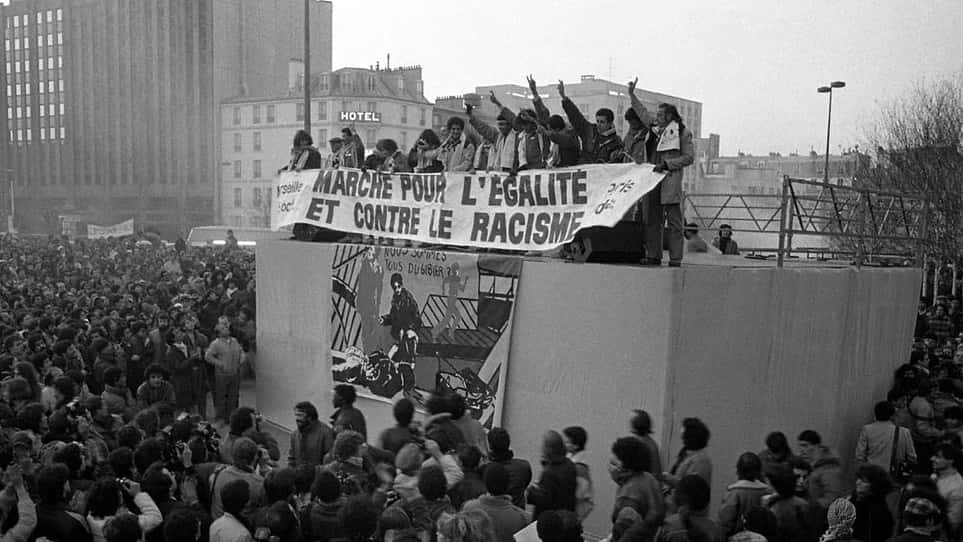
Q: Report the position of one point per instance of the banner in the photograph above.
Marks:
(534, 210)
(408, 322)
(117, 230)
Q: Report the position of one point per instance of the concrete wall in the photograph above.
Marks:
(748, 350)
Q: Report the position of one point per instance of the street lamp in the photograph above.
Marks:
(829, 119)
(307, 64)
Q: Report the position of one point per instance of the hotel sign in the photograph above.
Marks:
(360, 116)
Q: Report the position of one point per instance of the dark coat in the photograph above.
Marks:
(56, 523)
(519, 476)
(874, 522)
(309, 447)
(555, 489)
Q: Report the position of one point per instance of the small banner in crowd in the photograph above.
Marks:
(533, 210)
(117, 230)
(410, 322)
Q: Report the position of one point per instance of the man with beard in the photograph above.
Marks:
(313, 438)
(404, 319)
(157, 342)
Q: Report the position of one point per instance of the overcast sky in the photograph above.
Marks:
(754, 66)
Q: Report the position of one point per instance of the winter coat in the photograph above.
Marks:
(148, 395)
(826, 480)
(874, 522)
(597, 148)
(739, 498)
(640, 492)
(555, 489)
(675, 160)
(519, 476)
(309, 446)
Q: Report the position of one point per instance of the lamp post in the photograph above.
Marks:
(307, 64)
(829, 120)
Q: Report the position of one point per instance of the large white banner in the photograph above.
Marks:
(533, 210)
(117, 230)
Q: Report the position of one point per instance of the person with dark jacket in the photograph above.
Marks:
(245, 422)
(394, 438)
(54, 520)
(564, 148)
(312, 440)
(439, 426)
(346, 416)
(319, 520)
(156, 390)
(600, 142)
(556, 486)
(303, 155)
(519, 471)
(692, 521)
(825, 482)
(507, 518)
(873, 520)
(472, 485)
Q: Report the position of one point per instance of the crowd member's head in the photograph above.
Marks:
(123, 528)
(457, 405)
(428, 139)
(158, 483)
(302, 139)
(114, 377)
(946, 458)
(496, 479)
(432, 483)
(335, 144)
(344, 395)
(404, 412)
(667, 113)
(840, 518)
(499, 444)
(245, 453)
(282, 522)
(695, 434)
(872, 480)
(761, 520)
(455, 126)
(305, 414)
(467, 526)
(801, 470)
(558, 525)
(31, 418)
(242, 419)
(156, 375)
(749, 467)
(147, 421)
(635, 123)
(19, 392)
(604, 119)
(65, 389)
(129, 436)
(553, 447)
(692, 493)
(629, 457)
(575, 439)
(326, 487)
(386, 147)
(409, 459)
(182, 526)
(53, 484)
(234, 497)
(279, 485)
(303, 479)
(953, 417)
(359, 516)
(121, 461)
(504, 125)
(922, 515)
(347, 445)
(641, 423)
(783, 480)
(470, 458)
(148, 452)
(105, 498)
(778, 445)
(810, 445)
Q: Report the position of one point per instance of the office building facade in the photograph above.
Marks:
(111, 106)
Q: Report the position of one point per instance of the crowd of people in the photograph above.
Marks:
(537, 139)
(110, 351)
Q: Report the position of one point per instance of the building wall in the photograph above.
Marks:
(400, 120)
(140, 93)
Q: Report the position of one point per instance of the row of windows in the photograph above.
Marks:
(51, 87)
(16, 43)
(256, 143)
(45, 110)
(26, 135)
(255, 169)
(18, 67)
(50, 14)
(259, 197)
(322, 112)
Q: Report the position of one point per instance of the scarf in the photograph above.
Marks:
(553, 156)
(841, 515)
(669, 138)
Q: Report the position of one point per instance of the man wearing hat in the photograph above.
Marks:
(693, 241)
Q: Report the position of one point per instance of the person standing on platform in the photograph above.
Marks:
(224, 354)
(725, 243)
(304, 155)
(601, 144)
(351, 153)
(332, 161)
(673, 152)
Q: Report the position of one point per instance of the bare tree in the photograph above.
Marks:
(918, 139)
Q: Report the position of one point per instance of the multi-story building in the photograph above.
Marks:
(257, 133)
(111, 107)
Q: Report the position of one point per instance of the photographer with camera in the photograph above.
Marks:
(246, 422)
(106, 501)
(15, 492)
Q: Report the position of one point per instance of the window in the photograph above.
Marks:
(423, 112)
(270, 113)
(322, 110)
(257, 169)
(372, 138)
(322, 137)
(404, 140)
(373, 106)
(50, 39)
(237, 116)
(404, 114)
(401, 85)
(53, 133)
(257, 197)
(60, 38)
(237, 169)
(257, 141)
(50, 16)
(345, 105)
(61, 108)
(60, 14)
(60, 62)
(256, 114)
(237, 142)
(299, 111)
(238, 197)
(51, 110)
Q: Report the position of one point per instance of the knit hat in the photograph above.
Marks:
(409, 458)
(921, 507)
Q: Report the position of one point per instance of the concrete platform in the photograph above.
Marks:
(744, 345)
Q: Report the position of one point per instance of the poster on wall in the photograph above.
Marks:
(408, 322)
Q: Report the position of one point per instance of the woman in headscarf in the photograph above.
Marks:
(840, 516)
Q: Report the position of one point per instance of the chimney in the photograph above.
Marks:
(295, 74)
(388, 63)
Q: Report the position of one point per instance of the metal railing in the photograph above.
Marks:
(819, 220)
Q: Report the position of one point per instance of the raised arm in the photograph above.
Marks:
(541, 111)
(644, 115)
(575, 117)
(486, 131)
